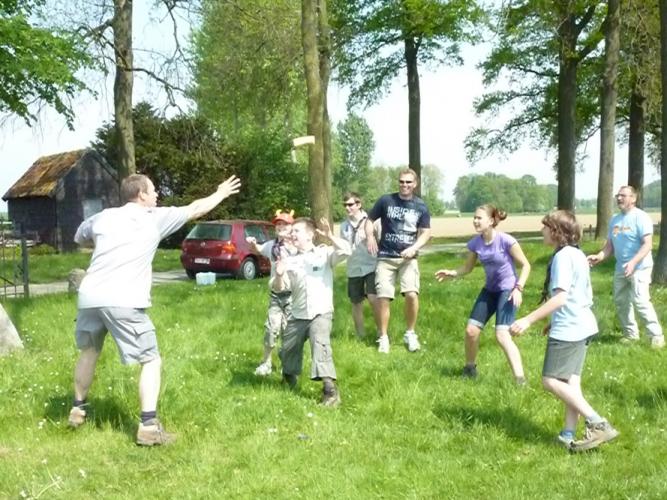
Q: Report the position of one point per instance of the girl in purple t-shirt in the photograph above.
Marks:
(502, 293)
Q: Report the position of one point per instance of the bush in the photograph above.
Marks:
(42, 249)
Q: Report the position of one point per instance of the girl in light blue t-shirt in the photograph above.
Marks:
(568, 298)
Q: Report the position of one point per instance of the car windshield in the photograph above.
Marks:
(210, 232)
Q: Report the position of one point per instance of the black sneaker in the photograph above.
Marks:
(469, 371)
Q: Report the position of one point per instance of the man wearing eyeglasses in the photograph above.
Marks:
(406, 227)
(360, 264)
(630, 240)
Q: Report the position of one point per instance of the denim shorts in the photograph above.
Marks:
(489, 303)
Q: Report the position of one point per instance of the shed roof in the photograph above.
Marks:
(41, 179)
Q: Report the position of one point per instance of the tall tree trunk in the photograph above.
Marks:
(636, 142)
(414, 103)
(608, 118)
(122, 89)
(325, 72)
(660, 266)
(317, 180)
(9, 337)
(567, 101)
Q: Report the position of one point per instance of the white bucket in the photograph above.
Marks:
(205, 278)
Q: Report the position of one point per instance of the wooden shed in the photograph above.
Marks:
(58, 192)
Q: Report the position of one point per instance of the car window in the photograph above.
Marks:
(270, 231)
(210, 232)
(256, 232)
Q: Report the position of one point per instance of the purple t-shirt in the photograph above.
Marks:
(497, 261)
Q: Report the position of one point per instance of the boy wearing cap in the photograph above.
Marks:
(280, 303)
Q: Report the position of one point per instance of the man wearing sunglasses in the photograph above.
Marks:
(406, 227)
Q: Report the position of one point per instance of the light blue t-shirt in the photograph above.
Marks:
(573, 321)
(626, 231)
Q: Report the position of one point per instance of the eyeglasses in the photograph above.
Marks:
(405, 182)
(350, 204)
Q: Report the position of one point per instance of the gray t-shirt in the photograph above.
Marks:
(573, 321)
(125, 239)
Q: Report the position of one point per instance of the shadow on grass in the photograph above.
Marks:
(513, 424)
(655, 399)
(100, 412)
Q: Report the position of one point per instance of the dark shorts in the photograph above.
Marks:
(361, 286)
(564, 359)
(490, 303)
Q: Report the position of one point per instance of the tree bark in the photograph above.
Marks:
(325, 72)
(9, 337)
(660, 266)
(567, 100)
(414, 104)
(636, 142)
(123, 85)
(317, 179)
(608, 118)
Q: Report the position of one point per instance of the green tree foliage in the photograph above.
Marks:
(512, 195)
(652, 195)
(376, 40)
(248, 65)
(37, 64)
(186, 159)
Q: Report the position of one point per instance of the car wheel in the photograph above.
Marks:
(248, 269)
(191, 274)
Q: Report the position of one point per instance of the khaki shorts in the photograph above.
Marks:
(131, 329)
(386, 272)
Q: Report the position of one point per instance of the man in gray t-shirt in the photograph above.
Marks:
(115, 292)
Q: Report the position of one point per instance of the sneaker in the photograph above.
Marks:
(565, 440)
(469, 371)
(596, 434)
(263, 370)
(411, 341)
(383, 344)
(77, 417)
(657, 342)
(628, 339)
(331, 397)
(152, 434)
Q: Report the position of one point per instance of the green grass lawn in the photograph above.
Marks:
(409, 426)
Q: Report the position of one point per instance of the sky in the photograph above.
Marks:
(447, 116)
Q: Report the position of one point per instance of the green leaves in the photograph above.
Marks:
(37, 64)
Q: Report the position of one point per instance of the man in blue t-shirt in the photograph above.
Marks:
(406, 227)
(630, 239)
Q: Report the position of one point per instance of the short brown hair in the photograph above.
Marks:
(406, 171)
(351, 194)
(132, 185)
(565, 230)
(306, 221)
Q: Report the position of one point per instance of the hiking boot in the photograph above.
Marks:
(330, 397)
(383, 344)
(152, 433)
(596, 434)
(290, 380)
(411, 341)
(77, 417)
(657, 342)
(469, 371)
(263, 370)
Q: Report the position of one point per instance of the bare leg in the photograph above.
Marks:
(411, 310)
(358, 317)
(471, 343)
(511, 352)
(373, 301)
(84, 372)
(149, 384)
(570, 395)
(383, 314)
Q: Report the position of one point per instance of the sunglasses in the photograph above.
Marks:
(350, 204)
(405, 182)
